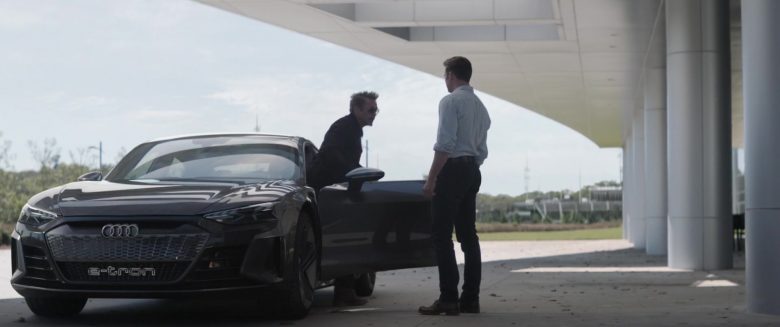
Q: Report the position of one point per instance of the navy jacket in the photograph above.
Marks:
(340, 152)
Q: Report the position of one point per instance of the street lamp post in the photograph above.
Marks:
(100, 154)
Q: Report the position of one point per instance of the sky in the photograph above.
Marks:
(125, 72)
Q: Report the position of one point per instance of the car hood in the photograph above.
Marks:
(151, 199)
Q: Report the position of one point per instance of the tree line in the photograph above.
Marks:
(17, 187)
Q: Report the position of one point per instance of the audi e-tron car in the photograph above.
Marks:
(215, 215)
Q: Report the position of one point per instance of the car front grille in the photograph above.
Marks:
(143, 248)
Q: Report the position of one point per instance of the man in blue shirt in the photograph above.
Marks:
(453, 182)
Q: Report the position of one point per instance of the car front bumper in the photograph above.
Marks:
(182, 258)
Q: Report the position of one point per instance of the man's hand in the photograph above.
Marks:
(428, 188)
(439, 159)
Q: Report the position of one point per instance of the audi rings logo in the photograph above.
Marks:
(119, 230)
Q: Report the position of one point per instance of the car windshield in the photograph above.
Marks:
(209, 159)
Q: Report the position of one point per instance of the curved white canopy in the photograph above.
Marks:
(577, 62)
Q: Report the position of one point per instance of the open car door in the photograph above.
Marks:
(375, 226)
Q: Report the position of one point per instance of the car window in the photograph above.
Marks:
(222, 158)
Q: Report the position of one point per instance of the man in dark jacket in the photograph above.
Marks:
(340, 152)
(341, 149)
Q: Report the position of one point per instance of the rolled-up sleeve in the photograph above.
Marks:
(447, 134)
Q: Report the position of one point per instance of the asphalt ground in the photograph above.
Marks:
(525, 283)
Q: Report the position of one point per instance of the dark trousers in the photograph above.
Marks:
(344, 283)
(454, 206)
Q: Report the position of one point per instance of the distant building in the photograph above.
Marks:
(606, 193)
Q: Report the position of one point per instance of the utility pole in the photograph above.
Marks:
(257, 124)
(527, 177)
(579, 185)
(100, 154)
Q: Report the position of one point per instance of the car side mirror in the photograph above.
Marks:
(91, 176)
(356, 177)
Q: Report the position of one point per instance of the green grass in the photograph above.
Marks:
(582, 234)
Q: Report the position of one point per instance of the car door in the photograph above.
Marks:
(383, 226)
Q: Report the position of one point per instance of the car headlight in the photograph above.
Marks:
(262, 212)
(35, 217)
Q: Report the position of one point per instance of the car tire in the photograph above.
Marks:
(364, 284)
(55, 306)
(300, 280)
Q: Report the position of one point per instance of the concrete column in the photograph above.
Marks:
(760, 50)
(624, 201)
(628, 184)
(638, 176)
(655, 161)
(735, 182)
(699, 134)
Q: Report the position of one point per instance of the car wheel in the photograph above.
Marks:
(364, 284)
(301, 279)
(55, 306)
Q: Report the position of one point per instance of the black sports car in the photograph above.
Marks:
(211, 215)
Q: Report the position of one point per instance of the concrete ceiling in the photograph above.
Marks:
(578, 62)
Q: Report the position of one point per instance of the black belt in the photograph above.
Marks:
(463, 159)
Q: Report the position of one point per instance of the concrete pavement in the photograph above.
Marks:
(547, 283)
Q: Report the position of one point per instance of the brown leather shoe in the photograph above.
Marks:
(347, 298)
(437, 308)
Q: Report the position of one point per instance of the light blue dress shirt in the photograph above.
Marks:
(463, 125)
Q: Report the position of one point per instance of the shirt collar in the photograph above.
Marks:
(465, 87)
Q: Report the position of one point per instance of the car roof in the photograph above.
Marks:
(269, 138)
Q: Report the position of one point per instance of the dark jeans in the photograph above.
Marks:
(454, 205)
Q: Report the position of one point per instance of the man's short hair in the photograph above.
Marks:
(460, 66)
(361, 98)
